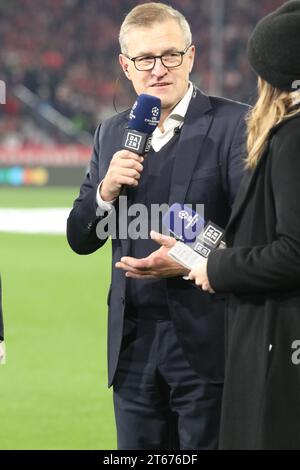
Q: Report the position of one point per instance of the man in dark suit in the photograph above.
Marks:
(2, 354)
(165, 337)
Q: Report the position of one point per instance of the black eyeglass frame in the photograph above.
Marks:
(155, 57)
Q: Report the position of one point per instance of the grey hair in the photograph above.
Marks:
(146, 14)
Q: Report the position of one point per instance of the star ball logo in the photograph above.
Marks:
(155, 112)
(183, 214)
(192, 220)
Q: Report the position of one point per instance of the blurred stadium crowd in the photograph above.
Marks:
(66, 52)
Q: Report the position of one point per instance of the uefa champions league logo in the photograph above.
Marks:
(192, 220)
(155, 113)
(183, 215)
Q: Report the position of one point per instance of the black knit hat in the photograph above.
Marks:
(274, 47)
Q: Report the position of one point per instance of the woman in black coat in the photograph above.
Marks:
(261, 266)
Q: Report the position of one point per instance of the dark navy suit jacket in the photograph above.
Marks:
(207, 170)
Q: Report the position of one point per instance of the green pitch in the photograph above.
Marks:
(53, 388)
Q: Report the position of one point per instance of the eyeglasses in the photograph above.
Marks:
(170, 60)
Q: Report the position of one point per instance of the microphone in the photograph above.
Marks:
(178, 128)
(143, 119)
(183, 222)
(196, 239)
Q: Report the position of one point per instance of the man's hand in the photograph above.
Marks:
(125, 168)
(199, 275)
(156, 265)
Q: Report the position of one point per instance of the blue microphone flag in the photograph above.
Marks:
(145, 114)
(183, 222)
(143, 119)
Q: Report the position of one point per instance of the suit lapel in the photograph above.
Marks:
(193, 133)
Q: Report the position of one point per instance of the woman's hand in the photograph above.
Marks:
(199, 275)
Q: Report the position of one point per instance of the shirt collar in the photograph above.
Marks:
(178, 113)
(180, 109)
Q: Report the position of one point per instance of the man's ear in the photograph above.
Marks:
(191, 57)
(124, 65)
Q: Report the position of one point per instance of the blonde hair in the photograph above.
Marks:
(146, 14)
(272, 107)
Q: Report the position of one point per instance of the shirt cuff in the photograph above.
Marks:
(104, 205)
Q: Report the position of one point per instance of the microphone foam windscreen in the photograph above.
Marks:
(145, 114)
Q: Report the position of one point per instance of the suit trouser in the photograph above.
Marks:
(160, 401)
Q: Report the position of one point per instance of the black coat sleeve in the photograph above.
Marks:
(83, 218)
(276, 266)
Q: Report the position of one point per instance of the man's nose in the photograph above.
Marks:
(159, 69)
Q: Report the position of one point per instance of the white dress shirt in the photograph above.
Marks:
(159, 138)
